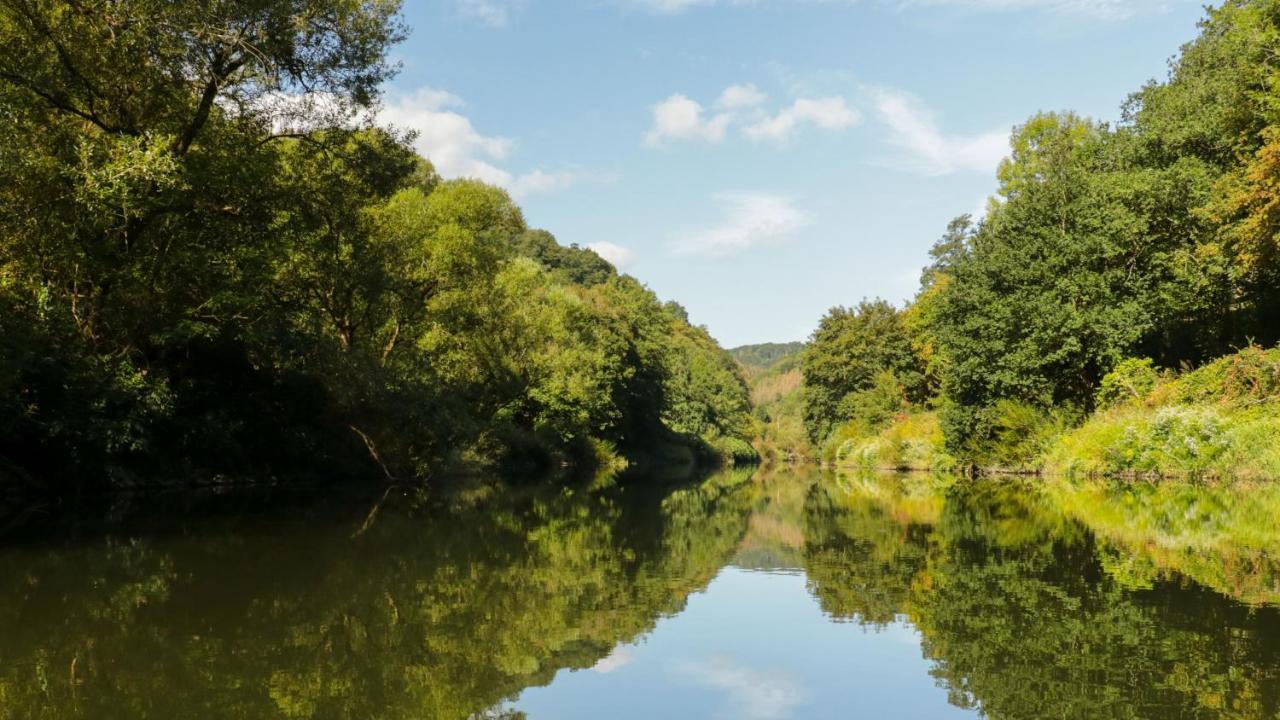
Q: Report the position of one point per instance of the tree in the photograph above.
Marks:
(846, 356)
(143, 131)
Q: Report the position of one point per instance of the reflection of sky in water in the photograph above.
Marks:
(752, 694)
(754, 646)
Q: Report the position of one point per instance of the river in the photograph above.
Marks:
(757, 595)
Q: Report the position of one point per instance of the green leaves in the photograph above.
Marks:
(208, 264)
(860, 365)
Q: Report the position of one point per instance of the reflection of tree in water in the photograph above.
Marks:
(866, 543)
(449, 608)
(1222, 536)
(1022, 612)
(775, 533)
(437, 610)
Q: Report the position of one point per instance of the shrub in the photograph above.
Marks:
(1131, 380)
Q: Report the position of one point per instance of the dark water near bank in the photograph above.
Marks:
(769, 596)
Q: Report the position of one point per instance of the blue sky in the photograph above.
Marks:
(760, 161)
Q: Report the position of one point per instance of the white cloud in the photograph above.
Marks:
(679, 118)
(752, 694)
(740, 96)
(671, 7)
(748, 219)
(539, 181)
(458, 150)
(1106, 9)
(446, 137)
(913, 129)
(619, 257)
(829, 113)
(1102, 9)
(621, 656)
(490, 12)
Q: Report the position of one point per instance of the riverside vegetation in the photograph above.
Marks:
(1112, 311)
(213, 266)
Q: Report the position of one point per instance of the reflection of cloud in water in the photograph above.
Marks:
(620, 656)
(753, 695)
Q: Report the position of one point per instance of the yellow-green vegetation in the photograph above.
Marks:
(774, 376)
(912, 441)
(1222, 420)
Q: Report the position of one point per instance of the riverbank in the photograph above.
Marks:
(1217, 422)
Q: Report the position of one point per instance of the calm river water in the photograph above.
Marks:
(745, 595)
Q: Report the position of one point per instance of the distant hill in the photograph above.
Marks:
(773, 372)
(765, 355)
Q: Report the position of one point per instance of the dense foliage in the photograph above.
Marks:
(860, 365)
(211, 265)
(1153, 238)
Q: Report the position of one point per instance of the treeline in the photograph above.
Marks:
(212, 267)
(1153, 238)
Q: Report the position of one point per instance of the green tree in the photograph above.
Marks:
(847, 356)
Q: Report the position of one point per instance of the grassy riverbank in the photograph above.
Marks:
(1219, 421)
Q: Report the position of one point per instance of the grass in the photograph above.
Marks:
(913, 441)
(1220, 421)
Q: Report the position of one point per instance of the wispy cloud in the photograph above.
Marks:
(829, 113)
(490, 12)
(620, 257)
(926, 149)
(1102, 9)
(747, 220)
(680, 118)
(673, 7)
(752, 694)
(457, 149)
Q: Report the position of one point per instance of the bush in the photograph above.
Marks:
(735, 451)
(1249, 376)
(1131, 380)
(1020, 434)
(1217, 421)
(913, 442)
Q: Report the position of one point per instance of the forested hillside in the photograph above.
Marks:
(213, 267)
(773, 374)
(764, 356)
(1148, 243)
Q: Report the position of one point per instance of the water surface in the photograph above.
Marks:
(783, 595)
